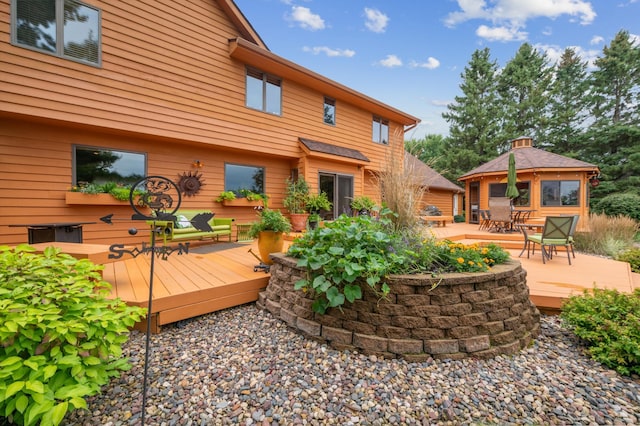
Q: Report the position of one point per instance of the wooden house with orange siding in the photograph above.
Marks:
(549, 184)
(438, 190)
(100, 89)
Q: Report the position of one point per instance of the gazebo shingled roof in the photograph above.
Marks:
(528, 159)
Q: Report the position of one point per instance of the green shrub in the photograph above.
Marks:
(459, 218)
(60, 337)
(619, 204)
(609, 322)
(632, 257)
(351, 251)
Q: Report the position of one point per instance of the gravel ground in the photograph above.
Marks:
(242, 366)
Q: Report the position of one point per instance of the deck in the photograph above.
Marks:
(220, 276)
(207, 279)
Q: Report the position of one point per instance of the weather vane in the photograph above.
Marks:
(162, 198)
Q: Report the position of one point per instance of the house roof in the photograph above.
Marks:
(327, 148)
(428, 177)
(241, 22)
(261, 58)
(529, 159)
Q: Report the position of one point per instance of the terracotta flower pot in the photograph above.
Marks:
(298, 221)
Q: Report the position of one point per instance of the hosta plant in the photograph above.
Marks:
(351, 252)
(60, 336)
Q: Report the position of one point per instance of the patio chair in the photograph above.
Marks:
(485, 220)
(500, 213)
(556, 232)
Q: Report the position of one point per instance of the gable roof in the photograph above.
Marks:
(426, 176)
(529, 159)
(241, 22)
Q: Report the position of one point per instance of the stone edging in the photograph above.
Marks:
(478, 315)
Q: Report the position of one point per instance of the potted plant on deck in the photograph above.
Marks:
(269, 229)
(362, 204)
(315, 204)
(295, 201)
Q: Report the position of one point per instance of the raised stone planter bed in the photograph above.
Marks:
(479, 315)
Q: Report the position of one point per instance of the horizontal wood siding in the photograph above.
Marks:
(166, 72)
(442, 199)
(166, 87)
(535, 180)
(35, 171)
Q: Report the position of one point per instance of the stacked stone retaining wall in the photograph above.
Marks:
(452, 316)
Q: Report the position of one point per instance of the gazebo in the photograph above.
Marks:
(549, 184)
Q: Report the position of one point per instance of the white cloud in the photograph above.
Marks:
(432, 63)
(518, 11)
(554, 53)
(391, 61)
(635, 39)
(440, 102)
(329, 51)
(303, 17)
(509, 17)
(376, 20)
(547, 31)
(596, 40)
(501, 33)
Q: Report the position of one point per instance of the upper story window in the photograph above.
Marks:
(101, 165)
(264, 92)
(380, 130)
(329, 111)
(560, 193)
(65, 28)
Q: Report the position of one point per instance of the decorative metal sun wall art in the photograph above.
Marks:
(190, 183)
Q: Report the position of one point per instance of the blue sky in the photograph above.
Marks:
(410, 53)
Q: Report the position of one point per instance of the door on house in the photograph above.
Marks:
(339, 189)
(474, 202)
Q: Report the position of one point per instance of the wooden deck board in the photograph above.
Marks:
(197, 283)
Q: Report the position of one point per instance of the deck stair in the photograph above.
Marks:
(513, 240)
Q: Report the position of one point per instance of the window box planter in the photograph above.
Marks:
(93, 199)
(242, 202)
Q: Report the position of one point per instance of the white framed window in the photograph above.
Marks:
(380, 130)
(329, 111)
(65, 28)
(263, 92)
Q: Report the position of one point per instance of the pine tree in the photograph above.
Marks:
(568, 105)
(473, 118)
(523, 87)
(614, 137)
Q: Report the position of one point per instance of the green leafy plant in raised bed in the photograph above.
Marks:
(60, 336)
(609, 323)
(351, 252)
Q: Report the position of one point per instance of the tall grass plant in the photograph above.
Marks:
(607, 235)
(401, 191)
